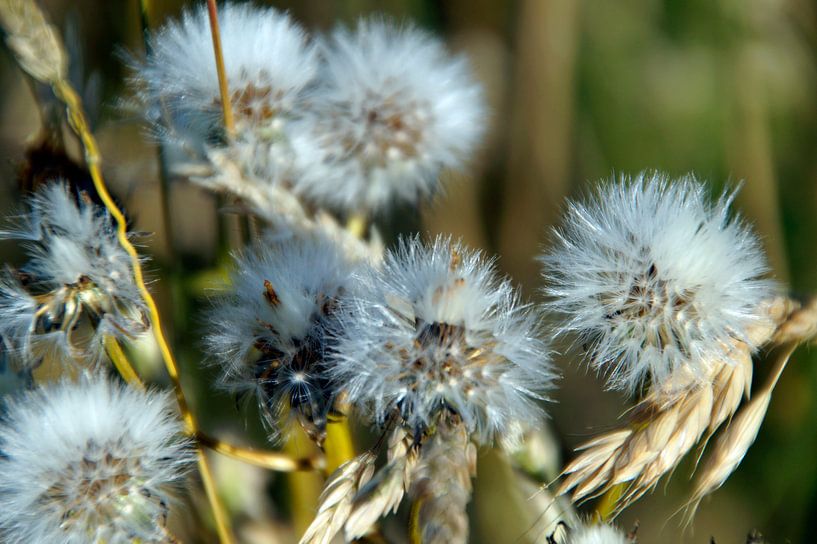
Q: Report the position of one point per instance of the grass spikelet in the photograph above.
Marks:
(733, 444)
(385, 491)
(667, 423)
(33, 40)
(442, 485)
(337, 497)
(800, 324)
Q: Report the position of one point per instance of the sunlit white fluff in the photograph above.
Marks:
(269, 334)
(88, 463)
(77, 285)
(436, 330)
(394, 109)
(269, 62)
(652, 275)
(597, 533)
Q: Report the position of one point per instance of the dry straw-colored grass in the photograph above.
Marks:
(684, 411)
(441, 487)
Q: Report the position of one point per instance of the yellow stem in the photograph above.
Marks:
(356, 224)
(607, 505)
(338, 445)
(121, 362)
(272, 460)
(304, 487)
(415, 531)
(226, 103)
(76, 117)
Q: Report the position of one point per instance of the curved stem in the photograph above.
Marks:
(272, 460)
(76, 117)
(121, 362)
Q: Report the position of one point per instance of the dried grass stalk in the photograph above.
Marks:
(800, 324)
(337, 498)
(663, 428)
(274, 204)
(675, 415)
(442, 485)
(733, 444)
(385, 491)
(33, 40)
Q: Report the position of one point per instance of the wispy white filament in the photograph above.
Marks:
(269, 334)
(394, 108)
(651, 275)
(76, 271)
(437, 330)
(88, 463)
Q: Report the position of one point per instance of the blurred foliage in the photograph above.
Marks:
(580, 90)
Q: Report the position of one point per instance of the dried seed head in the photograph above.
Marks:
(441, 484)
(269, 334)
(270, 63)
(653, 277)
(393, 110)
(427, 338)
(100, 472)
(77, 286)
(34, 41)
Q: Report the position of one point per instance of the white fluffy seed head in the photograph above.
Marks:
(269, 334)
(89, 462)
(651, 276)
(394, 108)
(270, 64)
(267, 56)
(597, 533)
(77, 269)
(437, 330)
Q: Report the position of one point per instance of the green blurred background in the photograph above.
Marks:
(579, 90)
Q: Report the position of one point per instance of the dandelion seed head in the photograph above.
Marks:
(650, 275)
(76, 269)
(270, 63)
(268, 335)
(267, 56)
(89, 462)
(393, 110)
(436, 330)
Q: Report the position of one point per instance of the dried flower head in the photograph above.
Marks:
(651, 276)
(77, 286)
(89, 462)
(269, 63)
(438, 332)
(269, 334)
(394, 109)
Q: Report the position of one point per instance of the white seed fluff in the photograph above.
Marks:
(267, 56)
(76, 269)
(393, 110)
(269, 334)
(270, 64)
(86, 463)
(437, 331)
(599, 533)
(651, 276)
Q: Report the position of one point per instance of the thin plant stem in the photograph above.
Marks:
(271, 460)
(121, 362)
(76, 117)
(338, 445)
(226, 104)
(265, 459)
(415, 531)
(607, 507)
